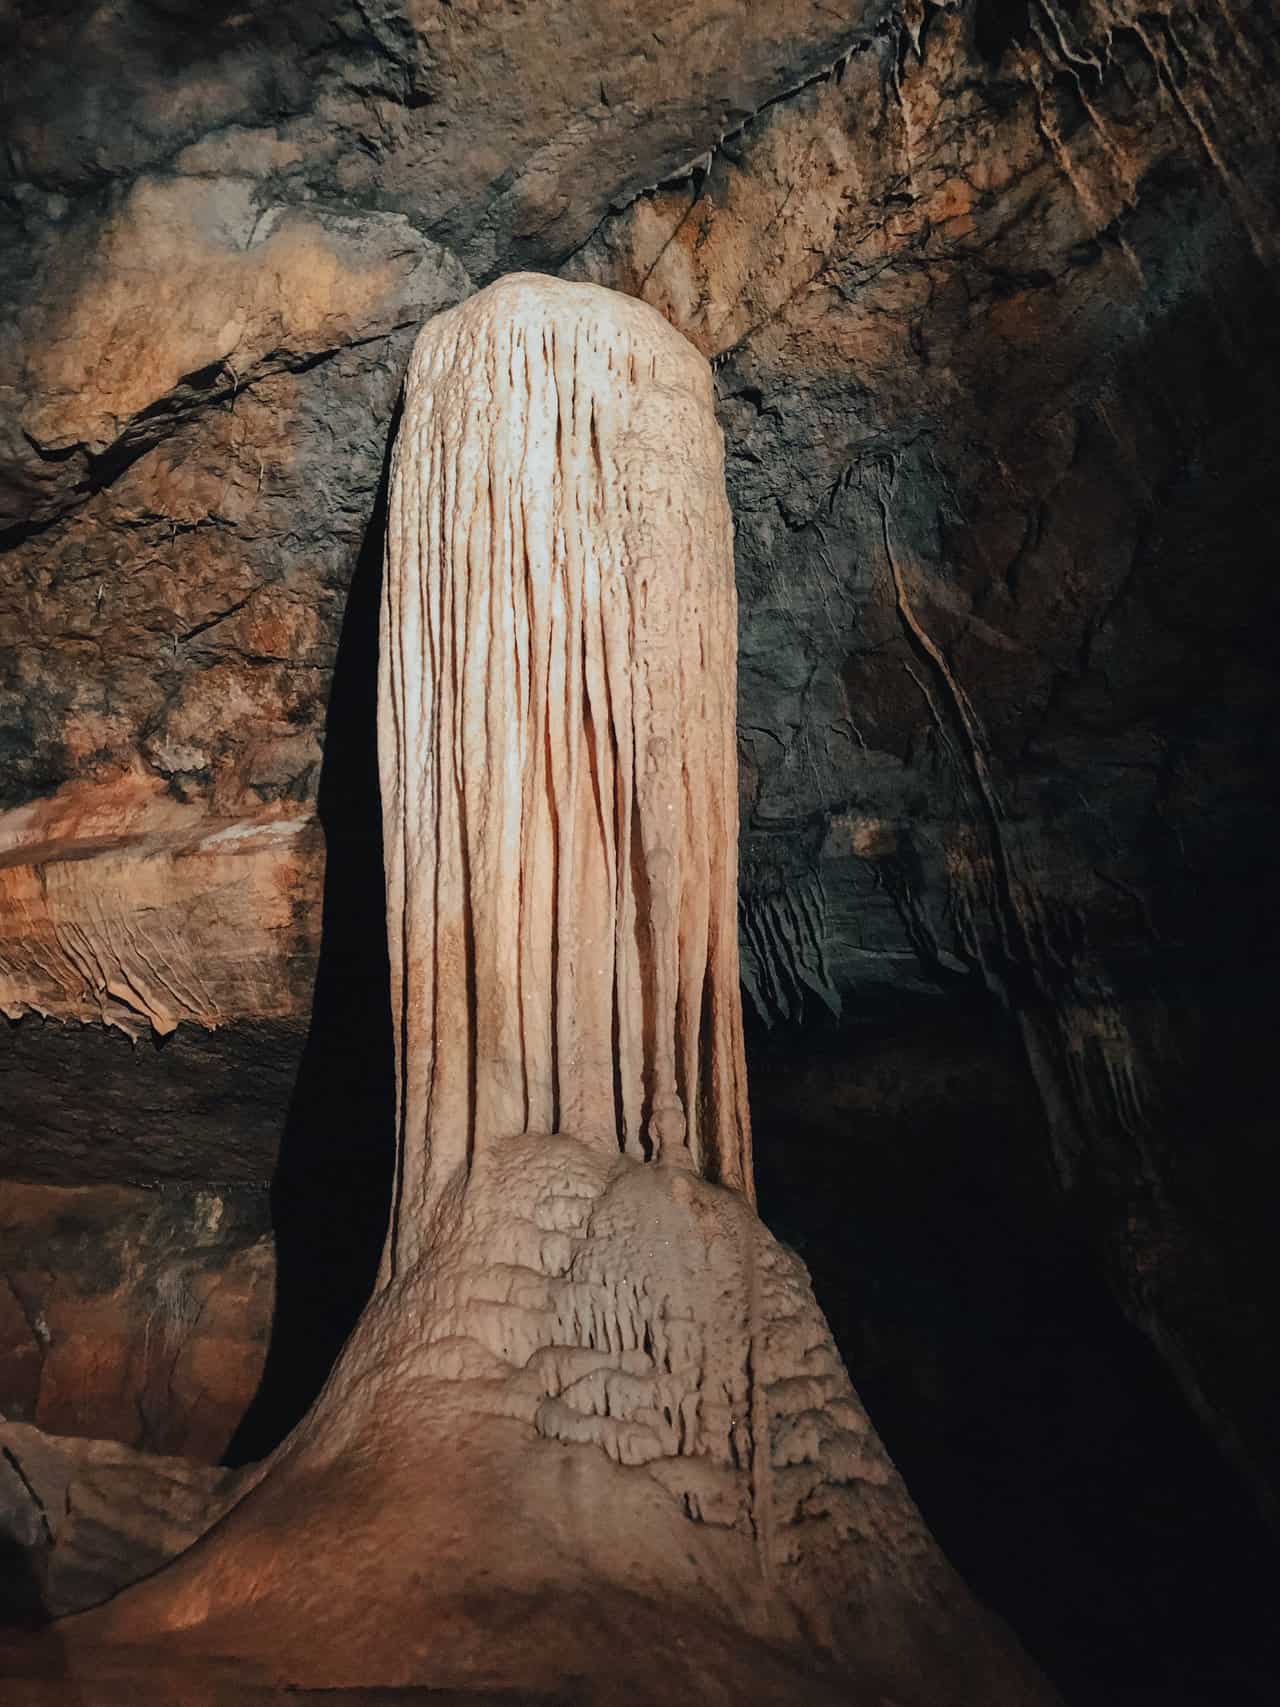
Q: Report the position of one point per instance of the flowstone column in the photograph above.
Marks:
(557, 743)
(592, 1426)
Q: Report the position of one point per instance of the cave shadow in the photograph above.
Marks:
(1045, 1441)
(22, 1604)
(331, 1191)
(30, 1645)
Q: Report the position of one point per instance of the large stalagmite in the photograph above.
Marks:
(591, 1435)
(559, 773)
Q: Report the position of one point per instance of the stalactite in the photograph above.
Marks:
(604, 1387)
(558, 771)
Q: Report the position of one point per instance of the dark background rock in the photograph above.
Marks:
(1041, 1432)
(990, 292)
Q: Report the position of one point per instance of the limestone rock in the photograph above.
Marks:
(992, 454)
(989, 292)
(91, 1516)
(136, 1316)
(130, 910)
(973, 277)
(616, 1391)
(559, 787)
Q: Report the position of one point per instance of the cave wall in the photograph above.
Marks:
(989, 290)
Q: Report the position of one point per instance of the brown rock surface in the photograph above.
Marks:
(995, 433)
(91, 1516)
(141, 1317)
(142, 914)
(585, 1375)
(608, 1403)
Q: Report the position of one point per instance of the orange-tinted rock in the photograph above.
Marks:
(121, 907)
(140, 1317)
(994, 304)
(607, 1388)
(588, 1373)
(91, 1516)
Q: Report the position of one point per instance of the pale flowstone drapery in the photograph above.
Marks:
(556, 737)
(600, 1434)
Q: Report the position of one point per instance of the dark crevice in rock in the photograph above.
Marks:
(904, 1158)
(1045, 297)
(194, 393)
(331, 1191)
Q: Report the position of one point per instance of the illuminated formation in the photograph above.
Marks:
(558, 765)
(592, 1425)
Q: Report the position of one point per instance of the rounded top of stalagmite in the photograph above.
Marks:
(538, 300)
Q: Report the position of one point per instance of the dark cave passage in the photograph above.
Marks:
(1045, 1441)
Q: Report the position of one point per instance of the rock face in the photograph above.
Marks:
(90, 1516)
(149, 915)
(636, 1426)
(559, 788)
(138, 1316)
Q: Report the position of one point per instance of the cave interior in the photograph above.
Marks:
(988, 292)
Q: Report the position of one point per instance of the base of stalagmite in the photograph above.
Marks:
(598, 1448)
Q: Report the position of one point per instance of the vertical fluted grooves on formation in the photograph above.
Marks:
(556, 739)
